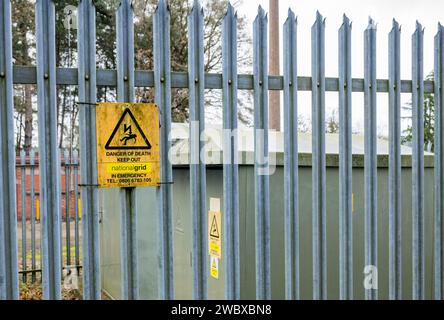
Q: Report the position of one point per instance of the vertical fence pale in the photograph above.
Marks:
(230, 144)
(345, 163)
(196, 86)
(291, 177)
(261, 164)
(49, 154)
(162, 80)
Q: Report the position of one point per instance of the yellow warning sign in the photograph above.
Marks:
(214, 267)
(127, 144)
(214, 234)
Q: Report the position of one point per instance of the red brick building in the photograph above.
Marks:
(19, 169)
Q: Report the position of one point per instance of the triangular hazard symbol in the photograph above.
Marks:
(127, 134)
(214, 231)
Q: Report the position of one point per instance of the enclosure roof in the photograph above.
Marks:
(213, 138)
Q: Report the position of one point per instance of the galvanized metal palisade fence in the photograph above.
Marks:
(30, 213)
(125, 78)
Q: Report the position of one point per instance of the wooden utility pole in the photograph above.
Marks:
(274, 96)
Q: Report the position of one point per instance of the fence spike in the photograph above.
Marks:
(230, 10)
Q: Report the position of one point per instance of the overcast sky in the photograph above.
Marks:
(406, 12)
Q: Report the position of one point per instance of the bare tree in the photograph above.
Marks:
(332, 123)
(23, 30)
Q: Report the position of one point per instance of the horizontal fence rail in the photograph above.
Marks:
(87, 77)
(179, 80)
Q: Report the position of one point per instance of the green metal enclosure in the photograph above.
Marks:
(147, 225)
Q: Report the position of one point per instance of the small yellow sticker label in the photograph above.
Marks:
(127, 144)
(214, 270)
(214, 234)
